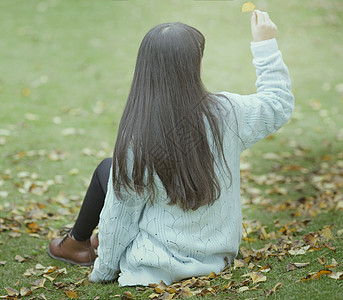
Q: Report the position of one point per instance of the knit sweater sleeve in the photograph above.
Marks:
(118, 226)
(262, 113)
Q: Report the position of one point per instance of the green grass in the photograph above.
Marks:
(62, 60)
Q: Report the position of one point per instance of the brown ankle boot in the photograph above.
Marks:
(72, 251)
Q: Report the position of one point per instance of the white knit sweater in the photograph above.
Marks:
(144, 243)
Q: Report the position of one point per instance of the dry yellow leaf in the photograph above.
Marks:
(11, 292)
(25, 291)
(257, 277)
(248, 6)
(71, 294)
(326, 233)
(238, 263)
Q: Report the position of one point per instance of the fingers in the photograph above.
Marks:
(254, 18)
(262, 27)
(261, 17)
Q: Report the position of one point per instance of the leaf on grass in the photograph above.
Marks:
(11, 292)
(316, 275)
(49, 269)
(19, 258)
(243, 289)
(71, 294)
(336, 275)
(237, 263)
(185, 292)
(248, 6)
(42, 297)
(161, 287)
(25, 291)
(293, 266)
(39, 283)
(14, 234)
(297, 251)
(39, 267)
(51, 279)
(274, 289)
(326, 233)
(32, 227)
(257, 277)
(127, 295)
(309, 239)
(329, 246)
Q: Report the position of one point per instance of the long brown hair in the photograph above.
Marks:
(165, 119)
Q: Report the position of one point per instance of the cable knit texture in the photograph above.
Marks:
(143, 243)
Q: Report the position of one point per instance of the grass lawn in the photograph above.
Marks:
(66, 68)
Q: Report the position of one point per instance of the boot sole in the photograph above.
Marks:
(69, 261)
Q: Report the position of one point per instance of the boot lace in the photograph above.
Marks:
(65, 231)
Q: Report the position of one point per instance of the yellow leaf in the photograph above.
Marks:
(127, 295)
(25, 92)
(326, 233)
(161, 287)
(243, 289)
(317, 275)
(25, 291)
(71, 294)
(257, 277)
(11, 292)
(248, 6)
(49, 277)
(19, 258)
(185, 292)
(38, 284)
(238, 263)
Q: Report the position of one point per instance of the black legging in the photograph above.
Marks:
(93, 202)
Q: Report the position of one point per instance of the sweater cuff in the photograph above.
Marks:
(101, 273)
(264, 48)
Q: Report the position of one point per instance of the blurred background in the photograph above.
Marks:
(66, 69)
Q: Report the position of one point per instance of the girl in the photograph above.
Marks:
(169, 199)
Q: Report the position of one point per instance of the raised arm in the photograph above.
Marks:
(263, 113)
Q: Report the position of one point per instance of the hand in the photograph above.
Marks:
(262, 27)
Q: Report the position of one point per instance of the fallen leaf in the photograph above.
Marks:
(248, 6)
(336, 275)
(326, 233)
(237, 263)
(316, 275)
(293, 266)
(297, 252)
(186, 292)
(19, 258)
(25, 291)
(127, 295)
(71, 294)
(161, 287)
(274, 289)
(243, 289)
(39, 283)
(257, 277)
(11, 292)
(42, 297)
(26, 92)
